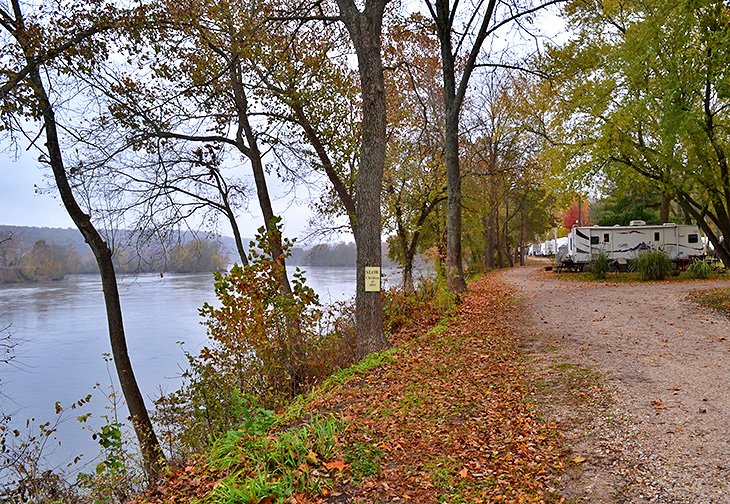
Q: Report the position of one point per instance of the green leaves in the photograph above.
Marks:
(644, 89)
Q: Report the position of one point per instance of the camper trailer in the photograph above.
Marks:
(681, 242)
(551, 247)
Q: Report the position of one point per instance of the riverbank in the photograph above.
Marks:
(448, 416)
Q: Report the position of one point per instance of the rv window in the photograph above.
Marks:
(594, 240)
(605, 237)
(693, 238)
(656, 236)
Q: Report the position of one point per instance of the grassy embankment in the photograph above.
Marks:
(446, 415)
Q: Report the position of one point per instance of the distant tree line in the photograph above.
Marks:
(335, 255)
(33, 255)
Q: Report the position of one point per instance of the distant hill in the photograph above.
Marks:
(26, 236)
(153, 257)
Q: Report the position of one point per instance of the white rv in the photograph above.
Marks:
(551, 247)
(681, 242)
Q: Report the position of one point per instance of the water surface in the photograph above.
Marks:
(61, 331)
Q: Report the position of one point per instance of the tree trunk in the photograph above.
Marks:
(664, 208)
(154, 458)
(523, 232)
(722, 247)
(237, 238)
(498, 238)
(453, 99)
(491, 239)
(228, 211)
(365, 30)
(408, 286)
(454, 266)
(507, 248)
(253, 154)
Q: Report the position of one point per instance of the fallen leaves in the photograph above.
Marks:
(452, 416)
(450, 420)
(658, 406)
(336, 464)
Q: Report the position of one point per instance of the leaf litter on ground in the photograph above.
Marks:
(449, 419)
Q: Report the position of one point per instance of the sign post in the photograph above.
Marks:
(372, 279)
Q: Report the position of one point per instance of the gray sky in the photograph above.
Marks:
(22, 205)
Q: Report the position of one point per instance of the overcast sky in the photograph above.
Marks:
(22, 205)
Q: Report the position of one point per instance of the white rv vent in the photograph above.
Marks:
(637, 223)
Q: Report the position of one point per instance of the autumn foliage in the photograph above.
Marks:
(445, 416)
(265, 345)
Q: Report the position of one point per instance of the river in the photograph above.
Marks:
(61, 334)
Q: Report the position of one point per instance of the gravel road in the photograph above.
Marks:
(655, 426)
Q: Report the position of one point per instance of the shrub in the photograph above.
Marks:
(430, 297)
(26, 474)
(652, 265)
(699, 268)
(265, 345)
(267, 466)
(600, 266)
(260, 336)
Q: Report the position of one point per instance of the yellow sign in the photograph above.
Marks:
(372, 279)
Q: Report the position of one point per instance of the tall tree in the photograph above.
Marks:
(45, 43)
(366, 28)
(364, 24)
(461, 44)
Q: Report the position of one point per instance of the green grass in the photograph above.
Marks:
(372, 361)
(699, 269)
(717, 299)
(652, 265)
(444, 476)
(268, 456)
(600, 266)
(364, 461)
(262, 463)
(577, 373)
(633, 277)
(413, 397)
(298, 407)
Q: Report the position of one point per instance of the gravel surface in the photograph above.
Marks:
(648, 417)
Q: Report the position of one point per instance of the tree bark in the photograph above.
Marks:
(453, 99)
(365, 29)
(664, 208)
(523, 233)
(454, 266)
(154, 458)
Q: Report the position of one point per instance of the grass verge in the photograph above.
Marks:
(716, 299)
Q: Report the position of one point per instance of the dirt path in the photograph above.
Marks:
(648, 417)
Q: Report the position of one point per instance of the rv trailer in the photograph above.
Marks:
(680, 242)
